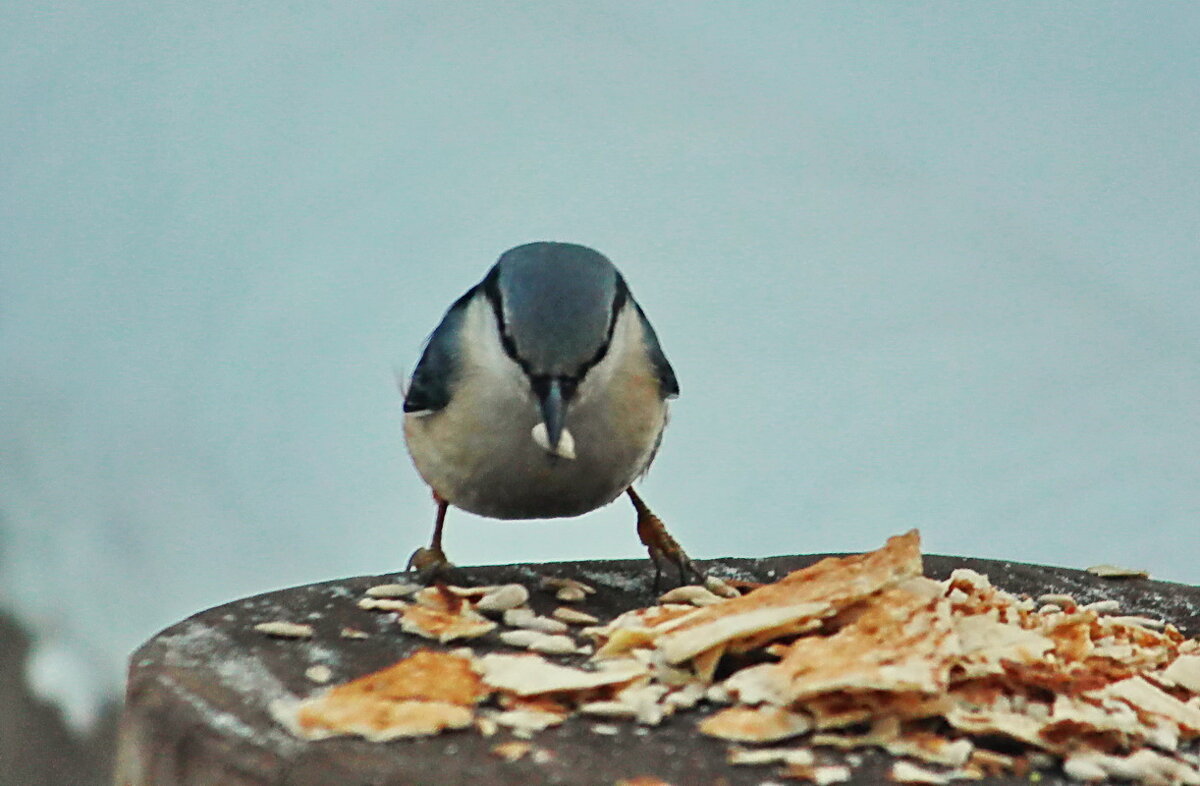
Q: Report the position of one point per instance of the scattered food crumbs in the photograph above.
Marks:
(1117, 572)
(524, 721)
(1184, 673)
(445, 626)
(755, 724)
(753, 756)
(1145, 622)
(642, 780)
(536, 641)
(285, 630)
(1102, 607)
(531, 675)
(319, 674)
(354, 633)
(512, 751)
(820, 774)
(418, 696)
(851, 653)
(906, 772)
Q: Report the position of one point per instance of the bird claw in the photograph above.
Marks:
(430, 563)
(663, 548)
(673, 554)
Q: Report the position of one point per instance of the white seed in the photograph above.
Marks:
(503, 598)
(1117, 572)
(570, 594)
(525, 618)
(554, 645)
(758, 756)
(555, 583)
(573, 616)
(354, 633)
(719, 587)
(566, 442)
(392, 590)
(718, 694)
(693, 594)
(608, 709)
(826, 774)
(536, 641)
(285, 630)
(319, 674)
(520, 638)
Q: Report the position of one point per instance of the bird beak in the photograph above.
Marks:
(554, 413)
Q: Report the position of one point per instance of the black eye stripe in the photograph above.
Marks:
(491, 290)
(618, 303)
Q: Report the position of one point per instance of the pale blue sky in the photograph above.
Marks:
(928, 265)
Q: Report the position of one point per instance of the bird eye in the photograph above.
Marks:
(541, 385)
(567, 385)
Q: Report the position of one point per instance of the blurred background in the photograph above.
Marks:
(930, 265)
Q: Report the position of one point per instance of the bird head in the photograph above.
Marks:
(556, 305)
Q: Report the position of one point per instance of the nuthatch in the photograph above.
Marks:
(542, 393)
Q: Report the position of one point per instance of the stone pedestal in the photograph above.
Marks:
(196, 707)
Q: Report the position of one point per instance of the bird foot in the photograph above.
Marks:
(430, 564)
(663, 548)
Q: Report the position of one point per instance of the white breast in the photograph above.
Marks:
(479, 452)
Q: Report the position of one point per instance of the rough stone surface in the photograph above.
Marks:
(196, 703)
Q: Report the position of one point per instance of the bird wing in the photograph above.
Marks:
(432, 380)
(662, 367)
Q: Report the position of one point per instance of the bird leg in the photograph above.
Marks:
(429, 562)
(662, 547)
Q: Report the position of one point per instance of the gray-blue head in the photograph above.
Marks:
(556, 305)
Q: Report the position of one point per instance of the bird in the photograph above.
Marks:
(542, 393)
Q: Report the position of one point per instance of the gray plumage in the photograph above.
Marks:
(551, 339)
